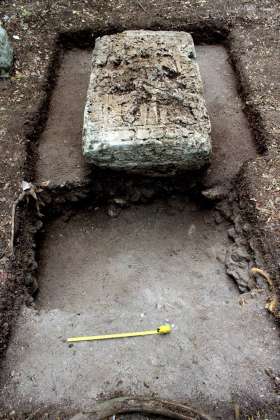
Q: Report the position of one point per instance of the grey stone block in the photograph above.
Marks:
(145, 109)
(6, 54)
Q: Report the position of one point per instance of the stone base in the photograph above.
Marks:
(145, 109)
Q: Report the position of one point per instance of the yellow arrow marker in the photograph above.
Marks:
(163, 329)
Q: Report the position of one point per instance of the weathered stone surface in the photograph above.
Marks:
(145, 108)
(6, 54)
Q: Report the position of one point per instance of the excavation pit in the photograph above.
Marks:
(151, 264)
(163, 261)
(60, 148)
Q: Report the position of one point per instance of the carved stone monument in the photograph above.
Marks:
(145, 109)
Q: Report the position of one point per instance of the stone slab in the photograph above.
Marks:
(145, 108)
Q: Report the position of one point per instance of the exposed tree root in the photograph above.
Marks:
(163, 408)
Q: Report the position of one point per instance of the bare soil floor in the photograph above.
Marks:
(155, 263)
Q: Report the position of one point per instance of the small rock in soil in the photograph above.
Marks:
(135, 196)
(80, 416)
(225, 209)
(218, 218)
(237, 266)
(2, 249)
(216, 193)
(246, 228)
(31, 283)
(240, 254)
(36, 226)
(237, 224)
(122, 202)
(6, 54)
(113, 210)
(232, 233)
(257, 255)
(241, 241)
